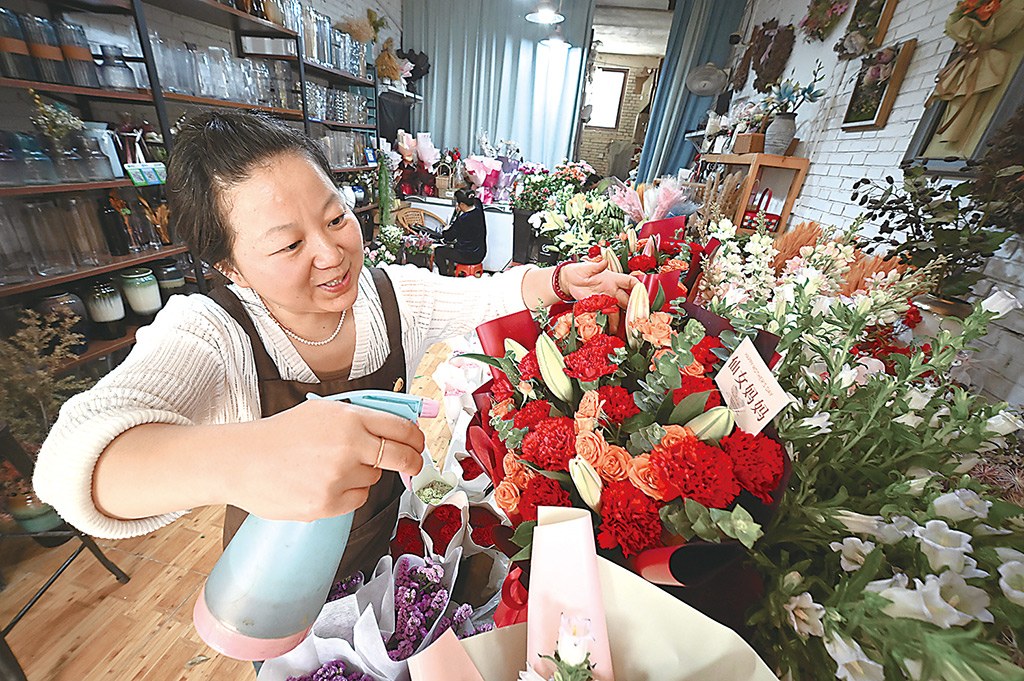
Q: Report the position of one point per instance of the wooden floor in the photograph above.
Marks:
(88, 627)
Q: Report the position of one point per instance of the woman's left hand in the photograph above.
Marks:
(583, 279)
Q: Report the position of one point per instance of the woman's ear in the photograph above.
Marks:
(231, 273)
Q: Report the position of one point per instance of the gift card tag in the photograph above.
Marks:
(749, 388)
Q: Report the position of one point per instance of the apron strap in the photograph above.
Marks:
(392, 319)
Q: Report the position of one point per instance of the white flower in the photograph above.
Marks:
(1004, 423)
(967, 599)
(1011, 581)
(846, 378)
(859, 523)
(898, 528)
(868, 366)
(961, 504)
(937, 417)
(1006, 555)
(822, 304)
(971, 570)
(792, 580)
(919, 399)
(805, 615)
(854, 551)
(573, 635)
(852, 663)
(924, 603)
(1000, 302)
(983, 530)
(530, 674)
(822, 422)
(897, 581)
(943, 546)
(910, 419)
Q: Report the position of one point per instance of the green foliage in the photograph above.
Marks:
(32, 387)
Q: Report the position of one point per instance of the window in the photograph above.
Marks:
(605, 96)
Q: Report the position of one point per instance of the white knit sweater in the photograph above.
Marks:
(194, 365)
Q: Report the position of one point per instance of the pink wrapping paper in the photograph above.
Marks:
(445, 659)
(564, 579)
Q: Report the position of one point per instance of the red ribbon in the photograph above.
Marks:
(512, 609)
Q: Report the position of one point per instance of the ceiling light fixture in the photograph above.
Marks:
(556, 38)
(545, 14)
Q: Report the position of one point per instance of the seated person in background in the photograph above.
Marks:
(465, 239)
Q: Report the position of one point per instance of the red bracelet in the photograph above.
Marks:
(562, 295)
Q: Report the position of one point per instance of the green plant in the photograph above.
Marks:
(32, 384)
(925, 218)
(789, 95)
(1001, 175)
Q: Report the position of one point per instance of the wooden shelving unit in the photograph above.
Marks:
(367, 207)
(353, 169)
(208, 101)
(336, 75)
(90, 92)
(345, 126)
(756, 163)
(101, 348)
(33, 189)
(212, 12)
(118, 263)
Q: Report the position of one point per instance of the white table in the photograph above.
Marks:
(499, 229)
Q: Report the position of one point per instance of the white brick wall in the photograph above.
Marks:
(839, 158)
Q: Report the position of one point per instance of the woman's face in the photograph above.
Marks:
(295, 242)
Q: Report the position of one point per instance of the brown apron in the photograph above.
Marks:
(374, 521)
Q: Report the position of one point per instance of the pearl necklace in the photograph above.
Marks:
(291, 334)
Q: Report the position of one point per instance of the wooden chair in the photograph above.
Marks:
(409, 218)
(22, 462)
(476, 270)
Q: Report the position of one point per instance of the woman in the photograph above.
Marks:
(209, 406)
(466, 237)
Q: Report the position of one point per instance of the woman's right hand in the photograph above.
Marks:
(316, 459)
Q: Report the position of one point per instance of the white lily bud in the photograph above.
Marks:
(517, 350)
(552, 368)
(587, 481)
(651, 247)
(613, 260)
(713, 425)
(631, 239)
(637, 309)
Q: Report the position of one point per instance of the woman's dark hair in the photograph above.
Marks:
(213, 152)
(468, 197)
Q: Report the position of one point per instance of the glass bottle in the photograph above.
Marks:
(84, 231)
(115, 73)
(37, 166)
(142, 292)
(15, 61)
(50, 236)
(69, 304)
(45, 49)
(77, 57)
(114, 231)
(18, 258)
(106, 310)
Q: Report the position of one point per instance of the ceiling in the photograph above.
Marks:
(638, 27)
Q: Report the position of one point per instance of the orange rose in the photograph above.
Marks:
(986, 11)
(562, 327)
(695, 369)
(656, 329)
(519, 474)
(506, 495)
(614, 463)
(676, 435)
(644, 477)
(589, 446)
(586, 325)
(501, 409)
(674, 265)
(589, 410)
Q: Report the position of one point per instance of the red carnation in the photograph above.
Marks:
(697, 384)
(618, 403)
(541, 491)
(501, 389)
(482, 522)
(441, 525)
(551, 444)
(757, 461)
(702, 352)
(642, 263)
(913, 316)
(694, 470)
(531, 414)
(407, 538)
(595, 303)
(671, 246)
(629, 518)
(590, 362)
(471, 470)
(594, 251)
(529, 369)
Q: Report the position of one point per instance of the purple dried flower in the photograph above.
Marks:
(345, 587)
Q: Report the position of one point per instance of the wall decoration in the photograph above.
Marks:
(878, 82)
(768, 52)
(868, 25)
(822, 16)
(980, 67)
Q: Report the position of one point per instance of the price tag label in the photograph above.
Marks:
(146, 174)
(750, 389)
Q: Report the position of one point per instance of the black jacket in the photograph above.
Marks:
(468, 233)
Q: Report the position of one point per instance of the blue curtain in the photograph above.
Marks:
(489, 73)
(700, 34)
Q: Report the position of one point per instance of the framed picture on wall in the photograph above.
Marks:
(878, 83)
(868, 25)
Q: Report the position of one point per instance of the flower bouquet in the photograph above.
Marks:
(633, 428)
(578, 221)
(417, 249)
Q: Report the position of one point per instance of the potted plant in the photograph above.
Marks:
(924, 219)
(782, 102)
(33, 386)
(417, 249)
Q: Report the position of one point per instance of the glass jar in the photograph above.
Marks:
(45, 49)
(70, 165)
(170, 278)
(46, 229)
(66, 303)
(96, 162)
(142, 291)
(17, 256)
(77, 57)
(106, 310)
(115, 73)
(37, 166)
(15, 61)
